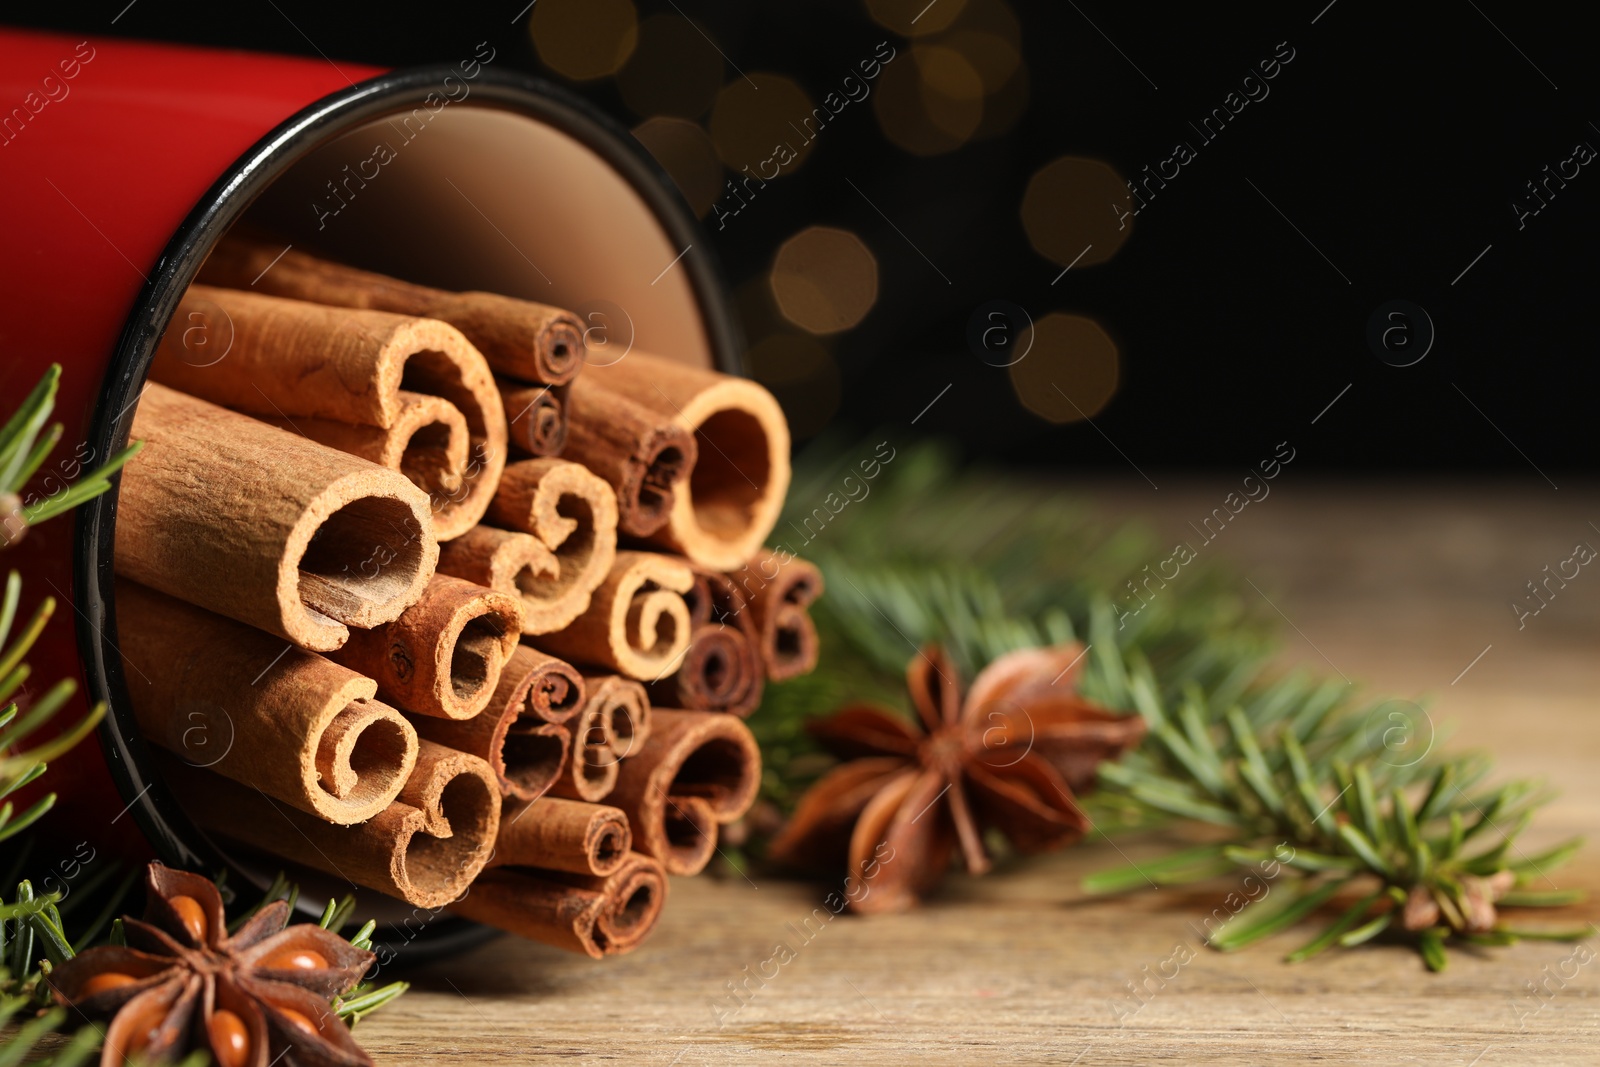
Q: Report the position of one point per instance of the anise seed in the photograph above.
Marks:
(192, 915)
(229, 1038)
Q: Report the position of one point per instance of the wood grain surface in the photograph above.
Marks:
(1404, 590)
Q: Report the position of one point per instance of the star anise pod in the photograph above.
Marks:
(182, 982)
(1008, 756)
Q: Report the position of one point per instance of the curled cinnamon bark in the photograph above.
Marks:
(784, 587)
(520, 734)
(536, 415)
(595, 916)
(722, 670)
(443, 655)
(644, 455)
(630, 710)
(518, 337)
(517, 564)
(562, 835)
(289, 358)
(731, 500)
(700, 769)
(637, 623)
(425, 848)
(591, 768)
(575, 515)
(266, 527)
(226, 696)
(428, 442)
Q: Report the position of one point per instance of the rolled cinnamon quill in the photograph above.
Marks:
(530, 341)
(637, 623)
(595, 916)
(699, 769)
(785, 586)
(643, 454)
(517, 564)
(289, 358)
(443, 655)
(424, 848)
(536, 415)
(562, 835)
(730, 503)
(226, 696)
(630, 710)
(590, 772)
(723, 669)
(521, 733)
(575, 515)
(266, 527)
(428, 442)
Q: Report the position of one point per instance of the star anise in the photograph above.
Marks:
(182, 982)
(1009, 756)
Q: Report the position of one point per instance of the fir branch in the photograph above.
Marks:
(983, 563)
(1299, 779)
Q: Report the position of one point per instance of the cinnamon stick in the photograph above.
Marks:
(226, 696)
(289, 358)
(731, 500)
(637, 623)
(722, 670)
(517, 564)
(595, 916)
(591, 768)
(424, 848)
(443, 655)
(428, 442)
(537, 415)
(520, 734)
(630, 710)
(562, 835)
(700, 769)
(266, 527)
(642, 454)
(786, 586)
(530, 341)
(575, 515)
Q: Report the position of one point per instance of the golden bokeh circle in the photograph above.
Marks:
(684, 151)
(992, 16)
(991, 56)
(1077, 211)
(824, 279)
(915, 18)
(674, 70)
(930, 102)
(804, 377)
(1070, 371)
(584, 39)
(759, 122)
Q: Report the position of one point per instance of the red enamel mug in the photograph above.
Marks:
(121, 165)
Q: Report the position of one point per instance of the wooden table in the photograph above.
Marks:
(1404, 589)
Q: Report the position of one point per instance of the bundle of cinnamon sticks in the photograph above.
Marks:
(411, 593)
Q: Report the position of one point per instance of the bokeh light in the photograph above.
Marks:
(674, 70)
(759, 122)
(1070, 371)
(824, 279)
(686, 152)
(915, 18)
(584, 39)
(930, 100)
(993, 57)
(1074, 204)
(802, 374)
(991, 16)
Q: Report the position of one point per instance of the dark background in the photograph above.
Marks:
(1395, 142)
